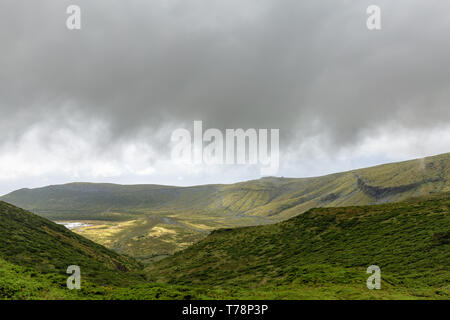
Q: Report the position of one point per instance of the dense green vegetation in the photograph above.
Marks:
(35, 254)
(321, 254)
(151, 221)
(32, 241)
(21, 283)
(325, 252)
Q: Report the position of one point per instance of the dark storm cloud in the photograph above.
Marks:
(301, 66)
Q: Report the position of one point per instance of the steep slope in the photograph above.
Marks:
(34, 242)
(35, 254)
(280, 198)
(326, 251)
(149, 221)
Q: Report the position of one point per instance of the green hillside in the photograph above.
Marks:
(324, 253)
(321, 254)
(35, 254)
(151, 221)
(31, 241)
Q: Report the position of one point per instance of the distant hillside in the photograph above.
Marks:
(150, 220)
(324, 253)
(268, 197)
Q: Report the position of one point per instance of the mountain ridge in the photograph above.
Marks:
(144, 194)
(159, 220)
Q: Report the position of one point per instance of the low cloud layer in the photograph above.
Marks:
(99, 104)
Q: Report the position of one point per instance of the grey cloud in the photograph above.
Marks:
(293, 65)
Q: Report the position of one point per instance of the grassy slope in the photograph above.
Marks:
(22, 283)
(135, 217)
(321, 254)
(324, 253)
(35, 253)
(34, 242)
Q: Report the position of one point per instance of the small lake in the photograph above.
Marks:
(73, 225)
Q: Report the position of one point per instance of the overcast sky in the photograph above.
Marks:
(100, 103)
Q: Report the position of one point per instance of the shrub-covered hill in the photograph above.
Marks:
(31, 241)
(324, 253)
(35, 254)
